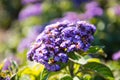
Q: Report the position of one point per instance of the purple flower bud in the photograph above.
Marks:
(53, 67)
(71, 48)
(63, 57)
(64, 44)
(57, 58)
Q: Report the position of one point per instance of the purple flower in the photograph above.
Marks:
(92, 9)
(29, 1)
(54, 67)
(58, 39)
(8, 63)
(30, 10)
(116, 56)
(117, 10)
(63, 57)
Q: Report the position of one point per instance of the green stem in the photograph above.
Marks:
(78, 54)
(72, 60)
(71, 68)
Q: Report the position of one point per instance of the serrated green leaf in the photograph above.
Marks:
(100, 69)
(66, 77)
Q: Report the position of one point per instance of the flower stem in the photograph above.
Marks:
(71, 68)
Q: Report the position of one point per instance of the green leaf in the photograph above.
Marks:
(14, 66)
(99, 69)
(76, 78)
(66, 77)
(87, 77)
(14, 77)
(77, 58)
(44, 75)
(94, 49)
(73, 56)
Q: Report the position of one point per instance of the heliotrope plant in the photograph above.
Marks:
(58, 39)
(66, 43)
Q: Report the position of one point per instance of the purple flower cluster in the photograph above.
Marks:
(30, 10)
(92, 9)
(58, 39)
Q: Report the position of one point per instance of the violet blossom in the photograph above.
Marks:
(58, 39)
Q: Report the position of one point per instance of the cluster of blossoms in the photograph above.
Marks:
(58, 39)
(92, 9)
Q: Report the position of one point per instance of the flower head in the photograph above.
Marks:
(58, 39)
(92, 9)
